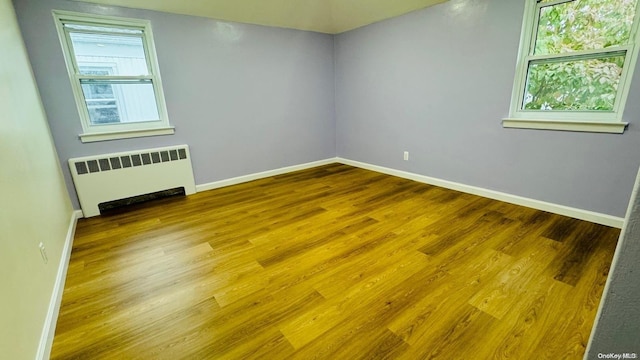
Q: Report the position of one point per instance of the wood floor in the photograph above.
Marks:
(332, 263)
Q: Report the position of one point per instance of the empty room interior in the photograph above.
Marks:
(319, 179)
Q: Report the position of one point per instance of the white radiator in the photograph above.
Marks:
(108, 177)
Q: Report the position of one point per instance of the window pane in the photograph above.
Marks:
(99, 91)
(103, 112)
(584, 25)
(123, 55)
(112, 102)
(590, 84)
(116, 30)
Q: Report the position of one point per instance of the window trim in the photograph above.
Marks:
(91, 132)
(588, 121)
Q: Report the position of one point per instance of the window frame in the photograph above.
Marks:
(92, 132)
(589, 121)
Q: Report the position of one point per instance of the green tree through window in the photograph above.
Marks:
(577, 55)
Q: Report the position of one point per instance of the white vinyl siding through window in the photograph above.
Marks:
(114, 75)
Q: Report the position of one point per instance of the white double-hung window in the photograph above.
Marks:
(114, 75)
(575, 65)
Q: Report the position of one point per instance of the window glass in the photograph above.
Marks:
(584, 25)
(126, 53)
(99, 57)
(111, 102)
(586, 85)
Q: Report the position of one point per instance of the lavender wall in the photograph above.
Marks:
(245, 98)
(434, 82)
(437, 83)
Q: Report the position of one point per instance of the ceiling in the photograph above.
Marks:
(326, 16)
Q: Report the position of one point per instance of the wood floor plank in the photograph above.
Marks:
(508, 287)
(314, 323)
(581, 247)
(454, 336)
(333, 262)
(521, 330)
(443, 291)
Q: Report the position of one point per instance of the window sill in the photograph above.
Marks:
(115, 135)
(582, 126)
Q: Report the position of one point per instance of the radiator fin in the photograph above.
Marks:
(115, 163)
(93, 166)
(136, 160)
(126, 161)
(81, 168)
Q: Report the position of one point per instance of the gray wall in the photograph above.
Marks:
(245, 98)
(437, 83)
(617, 328)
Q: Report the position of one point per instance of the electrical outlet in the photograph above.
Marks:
(43, 252)
(406, 156)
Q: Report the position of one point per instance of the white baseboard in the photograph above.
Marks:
(262, 175)
(591, 216)
(46, 340)
(581, 214)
